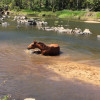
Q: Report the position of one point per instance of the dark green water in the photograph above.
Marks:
(26, 74)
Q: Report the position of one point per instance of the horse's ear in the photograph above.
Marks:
(34, 41)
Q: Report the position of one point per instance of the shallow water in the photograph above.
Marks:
(25, 75)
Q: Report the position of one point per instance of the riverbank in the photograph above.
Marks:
(80, 15)
(76, 71)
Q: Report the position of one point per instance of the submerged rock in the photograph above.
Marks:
(87, 31)
(5, 24)
(98, 36)
(77, 31)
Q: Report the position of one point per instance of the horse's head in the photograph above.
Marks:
(32, 45)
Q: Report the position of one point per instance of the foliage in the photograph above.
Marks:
(5, 98)
(52, 5)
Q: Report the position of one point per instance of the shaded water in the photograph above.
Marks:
(25, 75)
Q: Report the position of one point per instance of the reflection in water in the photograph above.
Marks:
(25, 75)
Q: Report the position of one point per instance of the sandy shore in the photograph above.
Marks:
(91, 21)
(73, 70)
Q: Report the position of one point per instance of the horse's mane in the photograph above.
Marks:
(42, 44)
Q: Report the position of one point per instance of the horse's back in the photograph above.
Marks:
(53, 45)
(52, 49)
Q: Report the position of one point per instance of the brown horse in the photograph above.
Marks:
(52, 49)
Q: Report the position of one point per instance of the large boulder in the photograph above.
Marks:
(87, 31)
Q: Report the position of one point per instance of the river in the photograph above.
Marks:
(24, 75)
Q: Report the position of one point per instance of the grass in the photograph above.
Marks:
(47, 13)
(98, 15)
(60, 14)
(37, 13)
(25, 12)
(70, 14)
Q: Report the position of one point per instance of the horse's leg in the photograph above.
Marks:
(45, 52)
